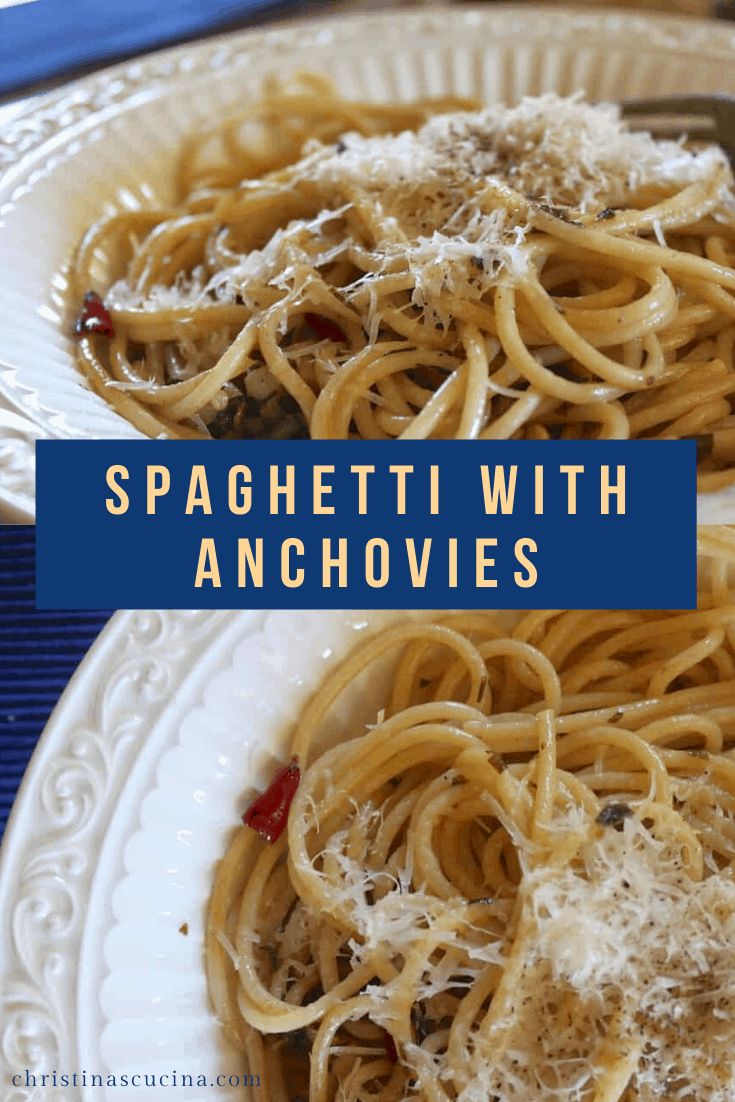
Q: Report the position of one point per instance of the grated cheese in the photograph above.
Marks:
(631, 932)
(429, 209)
(564, 151)
(627, 957)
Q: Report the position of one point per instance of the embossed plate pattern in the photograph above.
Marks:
(128, 803)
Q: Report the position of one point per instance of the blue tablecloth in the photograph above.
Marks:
(39, 652)
(40, 39)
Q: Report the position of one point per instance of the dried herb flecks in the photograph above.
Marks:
(614, 815)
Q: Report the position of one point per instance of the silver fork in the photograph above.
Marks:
(702, 118)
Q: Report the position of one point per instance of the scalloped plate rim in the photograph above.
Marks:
(57, 720)
(188, 644)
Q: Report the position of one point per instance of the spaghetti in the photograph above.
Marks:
(336, 269)
(517, 885)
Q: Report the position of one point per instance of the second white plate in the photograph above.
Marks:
(139, 779)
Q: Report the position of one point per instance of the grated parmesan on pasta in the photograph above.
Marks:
(534, 258)
(628, 953)
(434, 214)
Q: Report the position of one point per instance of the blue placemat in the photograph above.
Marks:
(40, 39)
(39, 652)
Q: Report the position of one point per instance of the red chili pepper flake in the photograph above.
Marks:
(390, 1047)
(94, 317)
(268, 813)
(325, 329)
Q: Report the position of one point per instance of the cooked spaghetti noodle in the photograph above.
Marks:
(338, 269)
(519, 884)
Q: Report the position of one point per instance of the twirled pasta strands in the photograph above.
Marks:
(600, 322)
(447, 873)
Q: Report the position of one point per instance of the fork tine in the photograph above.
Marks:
(700, 117)
(668, 105)
(698, 134)
(692, 133)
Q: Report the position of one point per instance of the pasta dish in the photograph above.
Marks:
(517, 884)
(332, 269)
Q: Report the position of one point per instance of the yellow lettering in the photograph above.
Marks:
(198, 497)
(290, 578)
(496, 491)
(331, 562)
(538, 474)
(400, 471)
(418, 570)
(377, 579)
(362, 470)
(249, 561)
(571, 471)
(207, 567)
(607, 490)
(286, 489)
(434, 489)
(239, 490)
(321, 491)
(123, 502)
(483, 563)
(453, 562)
(529, 579)
(158, 483)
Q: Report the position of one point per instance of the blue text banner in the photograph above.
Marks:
(340, 524)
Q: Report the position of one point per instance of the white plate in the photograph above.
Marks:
(111, 138)
(133, 790)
